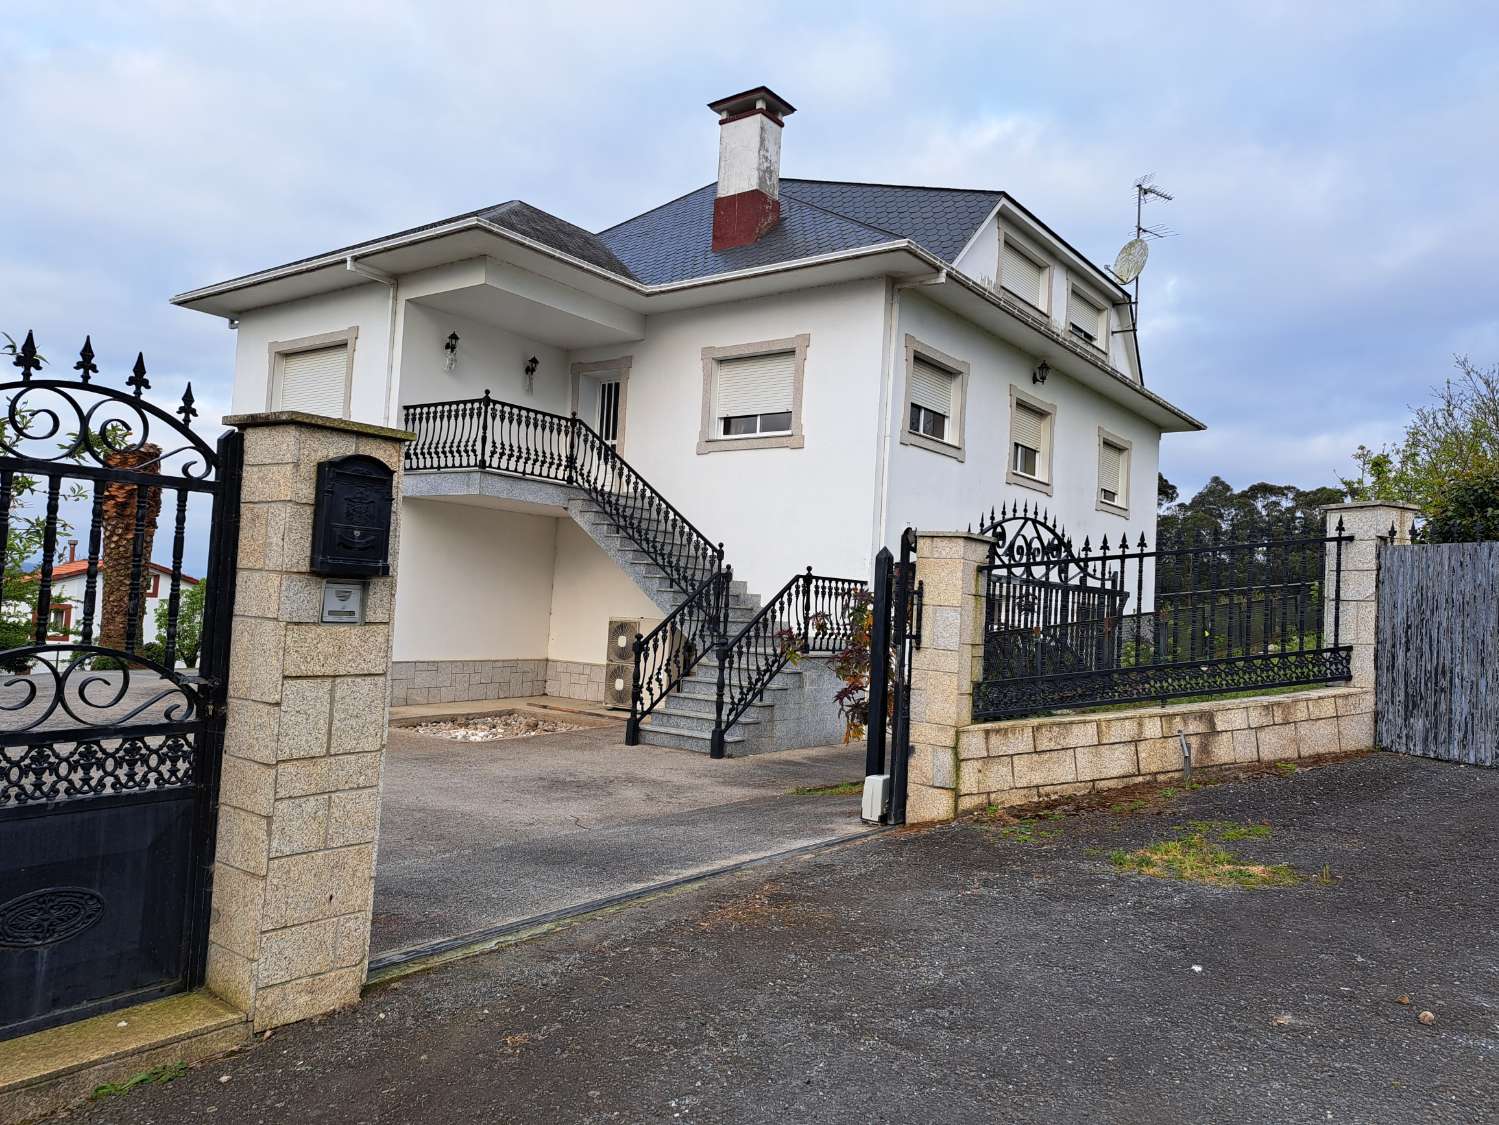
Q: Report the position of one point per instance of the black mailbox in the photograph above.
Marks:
(351, 517)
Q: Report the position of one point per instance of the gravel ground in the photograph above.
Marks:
(961, 974)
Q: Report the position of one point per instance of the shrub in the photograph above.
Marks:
(1467, 511)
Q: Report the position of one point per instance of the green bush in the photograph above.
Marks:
(1467, 511)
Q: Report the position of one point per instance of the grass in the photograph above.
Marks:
(1196, 854)
(166, 1072)
(841, 789)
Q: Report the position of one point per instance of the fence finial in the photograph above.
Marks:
(138, 378)
(26, 358)
(1393, 533)
(187, 410)
(86, 365)
(1339, 528)
(1104, 546)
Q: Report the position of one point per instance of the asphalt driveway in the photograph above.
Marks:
(479, 835)
(979, 972)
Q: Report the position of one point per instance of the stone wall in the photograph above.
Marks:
(457, 681)
(1023, 760)
(461, 681)
(956, 764)
(573, 679)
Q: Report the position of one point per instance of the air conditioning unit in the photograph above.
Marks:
(622, 633)
(617, 686)
(619, 659)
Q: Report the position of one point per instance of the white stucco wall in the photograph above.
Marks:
(938, 493)
(476, 583)
(588, 590)
(776, 510)
(488, 357)
(365, 306)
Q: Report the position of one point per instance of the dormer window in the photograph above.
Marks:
(1023, 272)
(1088, 318)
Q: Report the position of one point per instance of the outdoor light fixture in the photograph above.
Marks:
(531, 365)
(451, 347)
(1042, 370)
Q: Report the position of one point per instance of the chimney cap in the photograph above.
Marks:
(761, 99)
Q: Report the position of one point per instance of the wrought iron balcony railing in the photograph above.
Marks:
(485, 433)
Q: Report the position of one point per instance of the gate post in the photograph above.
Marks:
(299, 797)
(1352, 614)
(944, 668)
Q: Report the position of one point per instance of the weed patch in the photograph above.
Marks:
(842, 789)
(166, 1072)
(1195, 854)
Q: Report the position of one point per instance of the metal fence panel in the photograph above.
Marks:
(1437, 660)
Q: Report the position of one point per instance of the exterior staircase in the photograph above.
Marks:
(794, 710)
(726, 671)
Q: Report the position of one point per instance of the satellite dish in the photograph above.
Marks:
(1131, 260)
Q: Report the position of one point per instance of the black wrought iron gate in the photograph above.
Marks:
(111, 719)
(893, 635)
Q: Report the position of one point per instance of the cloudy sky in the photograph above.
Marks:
(1334, 164)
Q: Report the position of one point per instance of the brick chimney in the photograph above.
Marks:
(748, 205)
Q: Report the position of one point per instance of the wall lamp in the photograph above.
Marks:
(531, 365)
(1043, 369)
(450, 346)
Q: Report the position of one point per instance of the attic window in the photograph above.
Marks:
(1088, 319)
(1023, 273)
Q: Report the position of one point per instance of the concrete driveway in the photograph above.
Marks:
(475, 836)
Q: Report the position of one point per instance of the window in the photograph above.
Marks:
(1088, 319)
(1031, 427)
(752, 395)
(936, 384)
(1113, 473)
(1023, 273)
(313, 374)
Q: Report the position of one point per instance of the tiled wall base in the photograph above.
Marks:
(456, 681)
(573, 680)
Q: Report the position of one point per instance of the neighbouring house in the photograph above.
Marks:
(69, 589)
(796, 369)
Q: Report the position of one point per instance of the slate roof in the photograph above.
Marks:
(673, 242)
(538, 225)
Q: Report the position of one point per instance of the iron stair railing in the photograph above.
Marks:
(809, 614)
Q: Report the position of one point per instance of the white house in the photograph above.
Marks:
(69, 589)
(799, 368)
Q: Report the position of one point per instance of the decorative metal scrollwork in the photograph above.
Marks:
(49, 915)
(61, 683)
(54, 420)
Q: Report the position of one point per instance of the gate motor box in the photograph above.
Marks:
(876, 797)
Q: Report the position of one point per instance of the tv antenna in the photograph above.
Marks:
(1131, 260)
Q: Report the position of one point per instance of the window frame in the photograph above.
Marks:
(951, 446)
(1037, 258)
(1041, 406)
(1105, 317)
(278, 350)
(1126, 461)
(710, 438)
